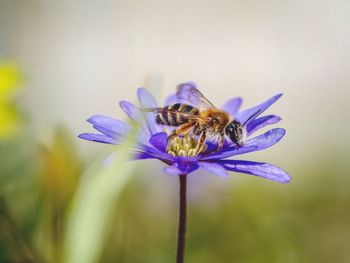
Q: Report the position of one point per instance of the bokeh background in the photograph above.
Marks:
(63, 61)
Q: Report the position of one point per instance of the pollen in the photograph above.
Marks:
(185, 146)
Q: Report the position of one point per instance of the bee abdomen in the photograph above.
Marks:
(172, 114)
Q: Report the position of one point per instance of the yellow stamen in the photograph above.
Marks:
(184, 146)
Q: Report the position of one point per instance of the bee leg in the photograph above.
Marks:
(181, 130)
(221, 143)
(184, 128)
(219, 147)
(172, 136)
(201, 142)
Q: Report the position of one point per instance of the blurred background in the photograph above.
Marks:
(63, 61)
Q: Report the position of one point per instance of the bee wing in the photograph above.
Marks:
(189, 92)
(166, 110)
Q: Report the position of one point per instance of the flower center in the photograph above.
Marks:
(184, 146)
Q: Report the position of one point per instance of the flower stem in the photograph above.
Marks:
(181, 234)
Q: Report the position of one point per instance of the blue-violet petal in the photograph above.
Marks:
(214, 168)
(147, 101)
(258, 143)
(97, 138)
(232, 106)
(159, 141)
(264, 170)
(243, 116)
(261, 122)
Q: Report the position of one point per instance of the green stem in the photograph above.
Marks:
(181, 236)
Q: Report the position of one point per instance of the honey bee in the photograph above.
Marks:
(200, 118)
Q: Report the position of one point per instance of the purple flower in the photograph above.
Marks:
(152, 142)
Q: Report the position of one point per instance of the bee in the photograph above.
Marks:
(200, 118)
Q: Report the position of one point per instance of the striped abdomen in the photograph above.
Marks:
(176, 114)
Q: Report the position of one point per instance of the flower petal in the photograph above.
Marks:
(97, 138)
(214, 168)
(258, 143)
(140, 155)
(243, 116)
(153, 151)
(137, 155)
(159, 141)
(261, 122)
(172, 170)
(132, 111)
(172, 99)
(264, 170)
(232, 105)
(181, 167)
(147, 101)
(113, 125)
(106, 132)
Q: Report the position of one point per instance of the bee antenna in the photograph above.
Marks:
(251, 117)
(155, 110)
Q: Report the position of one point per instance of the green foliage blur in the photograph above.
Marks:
(49, 196)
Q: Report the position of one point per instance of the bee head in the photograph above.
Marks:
(236, 132)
